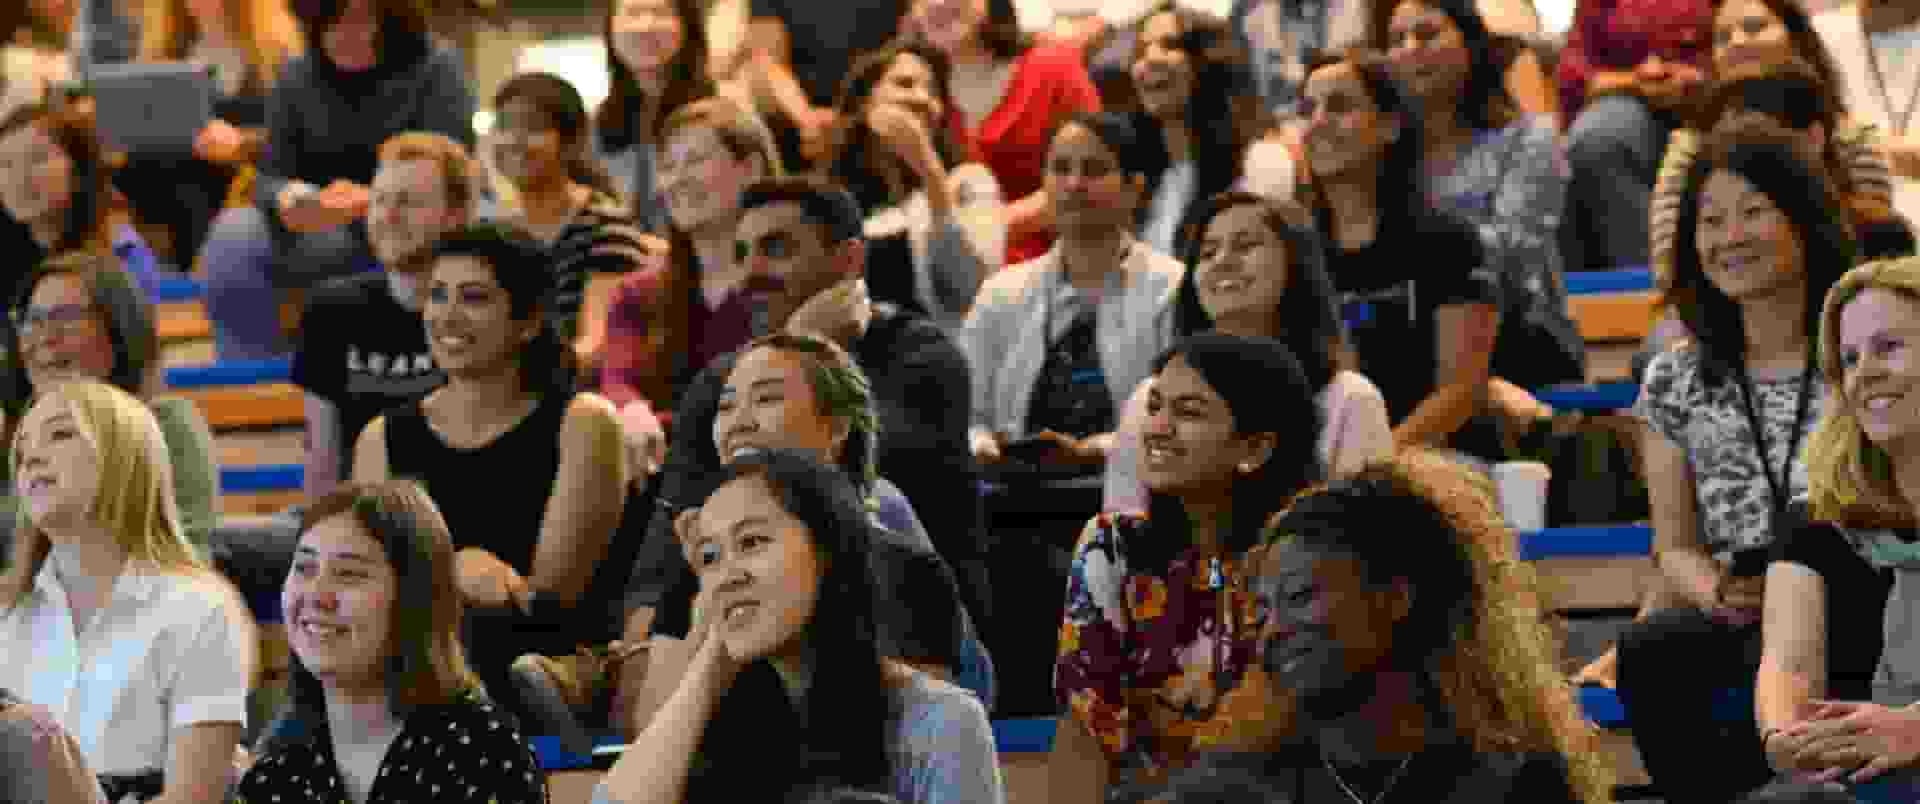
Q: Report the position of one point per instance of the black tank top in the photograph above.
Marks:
(493, 497)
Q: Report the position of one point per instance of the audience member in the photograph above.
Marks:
(1195, 119)
(33, 50)
(935, 220)
(920, 383)
(657, 62)
(1282, 38)
(40, 761)
(55, 179)
(1760, 239)
(783, 550)
(1056, 343)
(1826, 654)
(114, 624)
(532, 554)
(1403, 650)
(1009, 94)
(363, 346)
(540, 145)
(77, 317)
(800, 52)
(1257, 271)
(1512, 46)
(1627, 74)
(1872, 47)
(382, 707)
(666, 323)
(1498, 170)
(1156, 633)
(1407, 273)
(1799, 793)
(373, 71)
(246, 43)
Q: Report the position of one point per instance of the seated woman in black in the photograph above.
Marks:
(1403, 655)
(383, 707)
(530, 474)
(1410, 278)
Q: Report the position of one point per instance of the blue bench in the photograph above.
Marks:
(1604, 397)
(231, 372)
(1624, 280)
(1588, 541)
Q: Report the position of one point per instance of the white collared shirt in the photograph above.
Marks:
(168, 650)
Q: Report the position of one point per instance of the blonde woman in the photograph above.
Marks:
(110, 621)
(1822, 705)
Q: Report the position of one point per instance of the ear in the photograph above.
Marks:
(1394, 122)
(1817, 136)
(853, 258)
(1260, 448)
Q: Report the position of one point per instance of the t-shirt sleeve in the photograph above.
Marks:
(318, 367)
(1662, 402)
(948, 754)
(211, 672)
(1469, 277)
(1818, 546)
(1096, 665)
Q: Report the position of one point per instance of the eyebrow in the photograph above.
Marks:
(310, 552)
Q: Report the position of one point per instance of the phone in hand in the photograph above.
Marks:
(1032, 449)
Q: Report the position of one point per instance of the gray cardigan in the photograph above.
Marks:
(1004, 343)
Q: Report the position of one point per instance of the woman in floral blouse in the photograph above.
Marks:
(1157, 636)
(384, 709)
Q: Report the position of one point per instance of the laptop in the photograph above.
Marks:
(152, 108)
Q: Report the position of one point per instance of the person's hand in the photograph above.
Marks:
(987, 447)
(1740, 600)
(1603, 671)
(485, 580)
(816, 128)
(1071, 451)
(348, 201)
(903, 133)
(1867, 739)
(839, 313)
(711, 655)
(220, 142)
(645, 440)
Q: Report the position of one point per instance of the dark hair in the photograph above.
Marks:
(1306, 320)
(849, 712)
(560, 103)
(825, 204)
(404, 35)
(627, 116)
(1484, 102)
(428, 666)
(1000, 33)
(856, 148)
(1401, 192)
(1789, 92)
(1220, 116)
(1807, 44)
(73, 131)
(1115, 131)
(1266, 392)
(128, 314)
(1771, 159)
(523, 269)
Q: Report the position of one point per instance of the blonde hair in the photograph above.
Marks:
(265, 29)
(134, 501)
(1849, 478)
(459, 171)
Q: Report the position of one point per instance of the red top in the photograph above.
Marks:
(1049, 83)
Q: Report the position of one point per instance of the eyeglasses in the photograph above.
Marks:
(63, 318)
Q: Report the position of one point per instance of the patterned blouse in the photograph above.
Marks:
(465, 752)
(1146, 665)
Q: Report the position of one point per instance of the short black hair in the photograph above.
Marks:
(524, 269)
(823, 202)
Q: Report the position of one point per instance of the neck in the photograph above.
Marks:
(1353, 206)
(714, 245)
(796, 674)
(1179, 138)
(1391, 724)
(551, 200)
(487, 397)
(86, 552)
(1089, 258)
(1775, 326)
(1246, 325)
(1208, 521)
(405, 288)
(973, 53)
(359, 716)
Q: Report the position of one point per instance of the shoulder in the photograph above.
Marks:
(939, 717)
(298, 72)
(589, 421)
(191, 596)
(1671, 371)
(172, 409)
(1160, 266)
(1349, 387)
(1014, 281)
(1052, 59)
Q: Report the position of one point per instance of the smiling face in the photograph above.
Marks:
(408, 210)
(1880, 365)
(36, 176)
(909, 82)
(63, 335)
(759, 570)
(527, 145)
(1429, 52)
(769, 402)
(948, 24)
(469, 317)
(1189, 444)
(1748, 247)
(702, 179)
(1325, 624)
(338, 601)
(787, 258)
(1347, 133)
(646, 34)
(1085, 183)
(56, 466)
(352, 42)
(1746, 32)
(1162, 72)
(1241, 273)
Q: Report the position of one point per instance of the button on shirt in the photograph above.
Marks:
(166, 651)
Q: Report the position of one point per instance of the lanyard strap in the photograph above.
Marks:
(1777, 487)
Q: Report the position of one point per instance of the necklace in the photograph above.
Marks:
(1344, 788)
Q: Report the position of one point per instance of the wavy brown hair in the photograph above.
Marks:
(626, 104)
(265, 29)
(89, 217)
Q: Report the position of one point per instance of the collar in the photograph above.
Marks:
(139, 581)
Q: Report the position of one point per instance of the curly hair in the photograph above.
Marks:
(1480, 633)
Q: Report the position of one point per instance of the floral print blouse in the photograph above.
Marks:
(464, 752)
(1147, 661)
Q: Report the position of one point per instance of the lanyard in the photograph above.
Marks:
(1777, 487)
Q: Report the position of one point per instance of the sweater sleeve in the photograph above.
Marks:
(196, 483)
(280, 157)
(449, 101)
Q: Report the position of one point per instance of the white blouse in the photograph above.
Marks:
(167, 650)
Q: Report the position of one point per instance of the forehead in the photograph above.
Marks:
(1741, 9)
(1165, 23)
(779, 217)
(766, 363)
(1238, 219)
(60, 288)
(739, 500)
(908, 64)
(50, 408)
(1725, 185)
(1178, 379)
(523, 108)
(696, 138)
(342, 533)
(1877, 310)
(639, 6)
(1414, 12)
(1339, 78)
(415, 174)
(1079, 141)
(463, 270)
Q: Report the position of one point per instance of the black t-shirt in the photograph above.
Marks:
(1442, 774)
(825, 38)
(1390, 290)
(1856, 604)
(363, 352)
